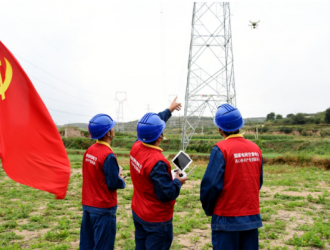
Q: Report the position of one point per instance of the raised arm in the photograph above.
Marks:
(167, 113)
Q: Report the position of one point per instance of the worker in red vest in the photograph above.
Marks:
(101, 178)
(154, 189)
(231, 183)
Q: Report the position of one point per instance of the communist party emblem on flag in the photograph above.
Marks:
(31, 149)
(4, 84)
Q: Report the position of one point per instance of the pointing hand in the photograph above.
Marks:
(175, 105)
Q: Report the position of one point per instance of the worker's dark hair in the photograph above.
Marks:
(231, 133)
(151, 143)
(103, 138)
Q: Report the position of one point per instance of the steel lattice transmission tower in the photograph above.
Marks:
(210, 80)
(120, 97)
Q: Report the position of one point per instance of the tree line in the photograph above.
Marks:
(299, 118)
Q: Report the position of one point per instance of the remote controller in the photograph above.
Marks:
(181, 174)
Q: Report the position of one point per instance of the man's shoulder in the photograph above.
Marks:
(253, 144)
(99, 150)
(135, 145)
(219, 143)
(236, 142)
(157, 156)
(90, 148)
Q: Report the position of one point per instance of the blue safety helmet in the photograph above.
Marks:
(99, 125)
(150, 127)
(228, 118)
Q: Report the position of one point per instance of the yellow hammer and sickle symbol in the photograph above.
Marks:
(8, 76)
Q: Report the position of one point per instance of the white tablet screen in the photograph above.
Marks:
(181, 161)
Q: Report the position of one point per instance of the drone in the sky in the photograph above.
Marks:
(254, 24)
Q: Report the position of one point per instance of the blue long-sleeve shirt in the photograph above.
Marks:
(166, 189)
(211, 187)
(111, 172)
(165, 115)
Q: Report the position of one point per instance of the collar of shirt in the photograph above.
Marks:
(234, 136)
(103, 143)
(152, 146)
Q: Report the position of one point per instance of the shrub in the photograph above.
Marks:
(85, 133)
(327, 116)
(270, 116)
(304, 132)
(323, 133)
(310, 120)
(264, 129)
(298, 119)
(77, 143)
(286, 130)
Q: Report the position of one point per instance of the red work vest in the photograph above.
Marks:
(95, 192)
(145, 202)
(240, 194)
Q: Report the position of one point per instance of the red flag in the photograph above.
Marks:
(31, 149)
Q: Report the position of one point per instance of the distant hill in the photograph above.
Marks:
(174, 122)
(255, 119)
(78, 125)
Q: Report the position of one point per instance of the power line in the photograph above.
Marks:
(67, 93)
(58, 117)
(69, 113)
(88, 91)
(65, 102)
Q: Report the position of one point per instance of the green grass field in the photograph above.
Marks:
(295, 208)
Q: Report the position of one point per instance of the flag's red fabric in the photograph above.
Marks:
(31, 149)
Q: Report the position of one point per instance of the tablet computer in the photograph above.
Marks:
(182, 160)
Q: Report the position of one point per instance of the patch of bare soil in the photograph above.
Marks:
(29, 235)
(124, 217)
(75, 171)
(292, 224)
(39, 212)
(271, 191)
(301, 193)
(324, 184)
(15, 199)
(123, 162)
(292, 218)
(75, 244)
(4, 178)
(192, 184)
(195, 239)
(22, 221)
(182, 214)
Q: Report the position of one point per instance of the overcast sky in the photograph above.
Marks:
(78, 54)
